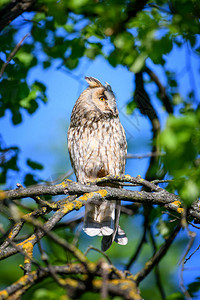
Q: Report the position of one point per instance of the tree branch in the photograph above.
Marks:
(93, 192)
(12, 10)
(139, 247)
(162, 90)
(12, 54)
(121, 287)
(112, 281)
(157, 256)
(157, 271)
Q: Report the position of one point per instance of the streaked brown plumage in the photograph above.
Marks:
(97, 147)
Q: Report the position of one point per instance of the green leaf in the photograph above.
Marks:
(92, 52)
(194, 287)
(163, 228)
(44, 293)
(71, 63)
(177, 99)
(33, 105)
(181, 143)
(124, 41)
(16, 117)
(139, 63)
(25, 58)
(4, 2)
(34, 165)
(30, 179)
(114, 58)
(13, 90)
(190, 191)
(130, 107)
(26, 102)
(74, 4)
(175, 296)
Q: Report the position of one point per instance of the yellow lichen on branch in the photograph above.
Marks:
(23, 283)
(28, 248)
(71, 282)
(64, 183)
(127, 286)
(67, 207)
(92, 195)
(180, 210)
(78, 204)
(2, 195)
(177, 203)
(3, 294)
(103, 193)
(27, 241)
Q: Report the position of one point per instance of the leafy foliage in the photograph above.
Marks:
(181, 142)
(132, 34)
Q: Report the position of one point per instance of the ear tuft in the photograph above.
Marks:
(93, 82)
(108, 87)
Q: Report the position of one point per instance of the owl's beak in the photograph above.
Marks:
(112, 107)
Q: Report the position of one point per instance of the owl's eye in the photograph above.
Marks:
(102, 98)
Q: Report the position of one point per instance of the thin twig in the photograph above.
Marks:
(157, 256)
(192, 254)
(49, 266)
(139, 247)
(178, 218)
(31, 21)
(157, 271)
(181, 281)
(191, 236)
(12, 54)
(140, 156)
(21, 251)
(105, 273)
(98, 250)
(161, 181)
(159, 8)
(126, 178)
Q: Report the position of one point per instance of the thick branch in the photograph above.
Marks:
(162, 90)
(118, 287)
(13, 10)
(160, 196)
(134, 7)
(17, 7)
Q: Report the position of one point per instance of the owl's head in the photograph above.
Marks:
(95, 103)
(100, 98)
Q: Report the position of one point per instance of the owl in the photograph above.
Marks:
(97, 147)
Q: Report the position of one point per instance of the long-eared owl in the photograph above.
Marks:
(97, 147)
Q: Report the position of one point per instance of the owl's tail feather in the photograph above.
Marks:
(103, 220)
(120, 238)
(100, 218)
